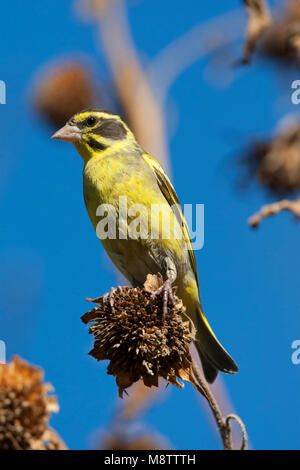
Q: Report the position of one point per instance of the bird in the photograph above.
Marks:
(117, 169)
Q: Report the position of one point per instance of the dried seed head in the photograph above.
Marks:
(25, 407)
(276, 161)
(63, 91)
(280, 166)
(137, 340)
(280, 41)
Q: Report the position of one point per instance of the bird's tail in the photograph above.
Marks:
(212, 354)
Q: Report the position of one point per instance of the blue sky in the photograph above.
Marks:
(50, 258)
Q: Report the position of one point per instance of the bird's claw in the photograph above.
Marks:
(167, 295)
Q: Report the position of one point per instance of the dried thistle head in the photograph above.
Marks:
(62, 91)
(137, 340)
(25, 407)
(275, 162)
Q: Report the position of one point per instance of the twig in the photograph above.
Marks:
(223, 423)
(233, 417)
(274, 208)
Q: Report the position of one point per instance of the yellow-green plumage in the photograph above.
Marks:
(114, 166)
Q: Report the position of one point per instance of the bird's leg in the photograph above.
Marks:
(166, 289)
(109, 296)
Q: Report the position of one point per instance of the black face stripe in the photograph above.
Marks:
(94, 144)
(111, 128)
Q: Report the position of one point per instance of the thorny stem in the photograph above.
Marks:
(223, 423)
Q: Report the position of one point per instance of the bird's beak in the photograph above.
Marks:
(68, 133)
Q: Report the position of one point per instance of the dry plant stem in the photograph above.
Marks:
(137, 400)
(223, 424)
(234, 417)
(274, 208)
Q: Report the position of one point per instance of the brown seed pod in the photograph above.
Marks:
(137, 340)
(25, 407)
(62, 91)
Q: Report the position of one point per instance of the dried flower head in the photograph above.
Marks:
(276, 161)
(25, 407)
(62, 91)
(281, 40)
(137, 340)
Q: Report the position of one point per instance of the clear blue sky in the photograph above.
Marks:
(50, 258)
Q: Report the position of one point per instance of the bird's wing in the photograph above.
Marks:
(171, 197)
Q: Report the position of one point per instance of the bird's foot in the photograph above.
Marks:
(167, 295)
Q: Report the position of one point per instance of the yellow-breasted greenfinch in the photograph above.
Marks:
(116, 167)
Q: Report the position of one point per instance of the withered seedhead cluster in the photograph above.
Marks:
(282, 40)
(25, 407)
(137, 340)
(62, 91)
(276, 161)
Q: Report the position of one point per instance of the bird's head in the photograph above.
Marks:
(95, 131)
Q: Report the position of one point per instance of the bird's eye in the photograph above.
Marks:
(91, 121)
